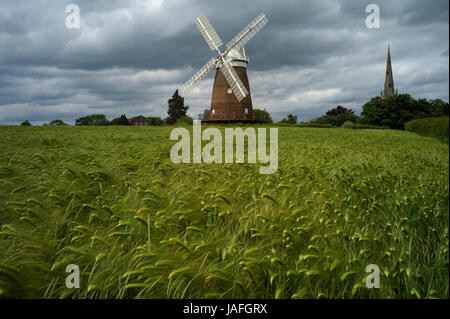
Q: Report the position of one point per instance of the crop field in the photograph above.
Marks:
(109, 200)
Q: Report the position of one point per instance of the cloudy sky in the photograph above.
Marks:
(129, 56)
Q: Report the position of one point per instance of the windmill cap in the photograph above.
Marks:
(236, 58)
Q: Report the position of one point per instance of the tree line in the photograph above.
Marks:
(392, 112)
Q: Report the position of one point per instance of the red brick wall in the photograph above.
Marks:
(226, 106)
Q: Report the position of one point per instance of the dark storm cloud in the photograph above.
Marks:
(129, 56)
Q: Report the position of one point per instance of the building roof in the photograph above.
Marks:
(138, 118)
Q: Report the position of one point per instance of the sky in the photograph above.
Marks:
(129, 56)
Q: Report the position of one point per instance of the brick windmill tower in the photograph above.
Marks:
(231, 99)
(224, 104)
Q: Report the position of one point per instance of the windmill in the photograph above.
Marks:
(231, 98)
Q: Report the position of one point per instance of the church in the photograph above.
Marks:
(389, 80)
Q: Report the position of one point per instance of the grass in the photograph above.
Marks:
(109, 200)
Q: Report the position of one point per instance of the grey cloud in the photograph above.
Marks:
(129, 56)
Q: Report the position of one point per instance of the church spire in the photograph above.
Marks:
(389, 80)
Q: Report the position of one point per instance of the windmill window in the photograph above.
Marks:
(390, 85)
(246, 110)
(229, 91)
(213, 111)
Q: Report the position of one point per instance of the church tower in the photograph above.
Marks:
(389, 80)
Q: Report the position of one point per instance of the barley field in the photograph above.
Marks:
(109, 200)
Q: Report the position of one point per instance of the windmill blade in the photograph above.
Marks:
(198, 76)
(247, 33)
(233, 80)
(208, 32)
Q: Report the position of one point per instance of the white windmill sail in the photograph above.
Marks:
(199, 75)
(208, 32)
(247, 33)
(233, 80)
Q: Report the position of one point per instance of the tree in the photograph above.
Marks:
(337, 120)
(291, 119)
(185, 120)
(262, 115)
(156, 121)
(122, 120)
(396, 110)
(439, 108)
(372, 112)
(338, 110)
(204, 115)
(337, 116)
(25, 123)
(56, 123)
(93, 119)
(176, 108)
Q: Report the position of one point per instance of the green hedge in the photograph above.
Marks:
(314, 125)
(430, 126)
(358, 126)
